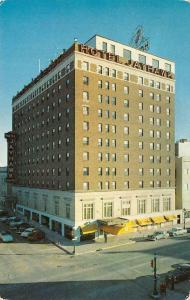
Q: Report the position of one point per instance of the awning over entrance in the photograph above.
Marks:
(144, 221)
(158, 219)
(132, 223)
(170, 217)
(87, 229)
(114, 229)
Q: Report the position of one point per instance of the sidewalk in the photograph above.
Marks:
(92, 246)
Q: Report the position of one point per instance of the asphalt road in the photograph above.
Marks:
(42, 271)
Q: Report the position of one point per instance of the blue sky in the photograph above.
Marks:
(33, 29)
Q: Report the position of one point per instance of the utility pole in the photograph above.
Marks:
(155, 294)
(184, 216)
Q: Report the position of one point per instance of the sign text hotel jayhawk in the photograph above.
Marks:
(11, 140)
(115, 58)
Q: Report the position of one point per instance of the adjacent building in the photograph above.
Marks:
(183, 174)
(3, 187)
(93, 138)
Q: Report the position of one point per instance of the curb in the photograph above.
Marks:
(92, 251)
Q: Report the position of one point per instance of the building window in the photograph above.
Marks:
(68, 211)
(126, 103)
(85, 171)
(86, 126)
(85, 110)
(100, 171)
(141, 158)
(140, 106)
(155, 63)
(113, 73)
(107, 142)
(141, 171)
(85, 96)
(141, 184)
(151, 83)
(107, 127)
(113, 100)
(155, 205)
(113, 142)
(126, 90)
(126, 172)
(100, 142)
(108, 209)
(113, 87)
(99, 98)
(166, 203)
(99, 112)
(126, 184)
(140, 132)
(167, 67)
(100, 84)
(126, 117)
(112, 49)
(113, 171)
(151, 95)
(56, 207)
(167, 87)
(88, 211)
(140, 145)
(85, 155)
(126, 157)
(126, 208)
(142, 59)
(85, 66)
(126, 76)
(126, 144)
(157, 84)
(107, 185)
(141, 206)
(127, 54)
(140, 93)
(85, 186)
(85, 80)
(107, 85)
(99, 69)
(100, 156)
(140, 119)
(100, 185)
(104, 46)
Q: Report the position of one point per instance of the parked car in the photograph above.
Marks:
(158, 235)
(10, 219)
(27, 232)
(3, 213)
(16, 223)
(179, 274)
(6, 236)
(175, 231)
(36, 235)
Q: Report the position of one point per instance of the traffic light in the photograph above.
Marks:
(152, 263)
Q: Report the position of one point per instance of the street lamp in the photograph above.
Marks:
(155, 293)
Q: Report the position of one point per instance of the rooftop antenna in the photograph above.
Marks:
(138, 40)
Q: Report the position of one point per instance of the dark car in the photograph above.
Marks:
(179, 274)
(36, 235)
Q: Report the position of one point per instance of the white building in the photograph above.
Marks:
(183, 174)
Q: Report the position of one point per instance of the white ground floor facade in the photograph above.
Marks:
(65, 212)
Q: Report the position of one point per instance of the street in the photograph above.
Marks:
(42, 271)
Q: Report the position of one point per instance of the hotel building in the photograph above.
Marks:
(93, 138)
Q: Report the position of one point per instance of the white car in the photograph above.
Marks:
(175, 231)
(27, 232)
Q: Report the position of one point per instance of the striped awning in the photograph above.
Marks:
(158, 219)
(87, 229)
(170, 217)
(144, 221)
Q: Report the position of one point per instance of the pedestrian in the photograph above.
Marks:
(172, 282)
(105, 237)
